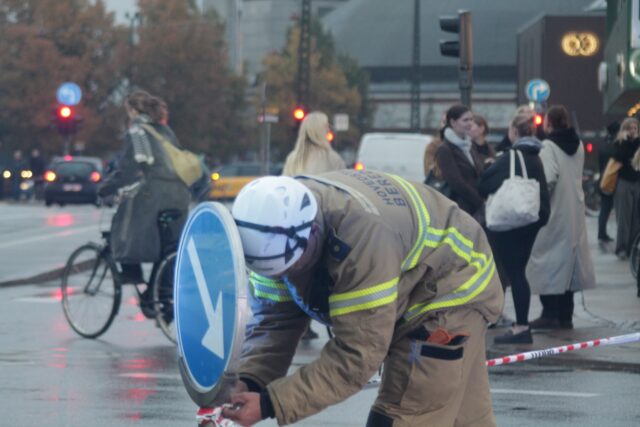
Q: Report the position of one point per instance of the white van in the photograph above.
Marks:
(401, 154)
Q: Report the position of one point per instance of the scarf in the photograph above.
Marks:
(528, 141)
(463, 144)
(141, 146)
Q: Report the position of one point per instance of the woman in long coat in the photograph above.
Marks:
(560, 262)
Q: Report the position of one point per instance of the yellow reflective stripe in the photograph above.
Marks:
(423, 224)
(419, 309)
(374, 296)
(364, 306)
(265, 288)
(458, 243)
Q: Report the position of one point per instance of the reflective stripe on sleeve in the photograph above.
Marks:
(265, 288)
(458, 243)
(364, 299)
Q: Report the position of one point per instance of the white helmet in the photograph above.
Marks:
(274, 215)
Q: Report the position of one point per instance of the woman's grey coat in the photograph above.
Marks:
(560, 260)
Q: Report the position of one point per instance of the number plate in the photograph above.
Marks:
(72, 187)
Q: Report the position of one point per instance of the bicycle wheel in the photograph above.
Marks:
(634, 258)
(90, 292)
(163, 296)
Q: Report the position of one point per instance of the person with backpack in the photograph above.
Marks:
(147, 184)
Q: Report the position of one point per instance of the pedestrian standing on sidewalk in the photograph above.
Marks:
(560, 262)
(606, 200)
(483, 153)
(513, 247)
(405, 278)
(313, 154)
(456, 163)
(627, 195)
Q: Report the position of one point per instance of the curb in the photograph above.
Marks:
(34, 280)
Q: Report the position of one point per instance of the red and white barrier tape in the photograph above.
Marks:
(620, 339)
(212, 417)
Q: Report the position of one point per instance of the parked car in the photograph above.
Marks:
(72, 179)
(228, 180)
(401, 154)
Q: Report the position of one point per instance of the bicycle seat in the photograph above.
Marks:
(169, 215)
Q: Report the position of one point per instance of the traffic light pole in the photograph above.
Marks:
(465, 78)
(415, 69)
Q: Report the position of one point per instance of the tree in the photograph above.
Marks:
(44, 43)
(181, 58)
(338, 85)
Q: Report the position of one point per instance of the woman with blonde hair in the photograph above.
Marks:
(626, 198)
(312, 153)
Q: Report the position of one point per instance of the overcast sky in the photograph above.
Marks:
(120, 7)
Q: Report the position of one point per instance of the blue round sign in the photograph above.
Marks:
(537, 90)
(69, 93)
(210, 306)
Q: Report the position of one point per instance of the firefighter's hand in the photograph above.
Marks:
(245, 409)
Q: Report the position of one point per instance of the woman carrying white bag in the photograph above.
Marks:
(517, 207)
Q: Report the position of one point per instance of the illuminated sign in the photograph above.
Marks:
(580, 44)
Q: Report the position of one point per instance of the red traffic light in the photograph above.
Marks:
(65, 112)
(589, 147)
(537, 119)
(330, 136)
(299, 114)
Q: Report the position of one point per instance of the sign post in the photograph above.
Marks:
(211, 307)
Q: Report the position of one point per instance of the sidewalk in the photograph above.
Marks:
(609, 310)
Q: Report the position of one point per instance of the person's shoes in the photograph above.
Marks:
(510, 337)
(622, 255)
(146, 304)
(310, 334)
(502, 322)
(605, 239)
(544, 323)
(565, 324)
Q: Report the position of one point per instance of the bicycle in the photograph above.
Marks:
(92, 285)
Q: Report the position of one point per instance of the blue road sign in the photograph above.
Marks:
(210, 306)
(537, 90)
(69, 93)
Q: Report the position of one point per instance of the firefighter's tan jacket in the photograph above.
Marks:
(395, 253)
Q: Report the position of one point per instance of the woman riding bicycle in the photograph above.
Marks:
(147, 185)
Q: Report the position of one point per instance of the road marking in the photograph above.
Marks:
(543, 393)
(59, 234)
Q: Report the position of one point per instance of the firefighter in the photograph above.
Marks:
(405, 278)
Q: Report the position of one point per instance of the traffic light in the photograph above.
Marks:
(461, 48)
(299, 114)
(537, 119)
(66, 119)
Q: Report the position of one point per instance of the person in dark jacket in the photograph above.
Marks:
(455, 161)
(147, 184)
(514, 246)
(627, 194)
(606, 200)
(483, 154)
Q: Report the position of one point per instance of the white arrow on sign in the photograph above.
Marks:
(213, 339)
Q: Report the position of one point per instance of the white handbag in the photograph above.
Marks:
(517, 201)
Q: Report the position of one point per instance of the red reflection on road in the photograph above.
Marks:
(61, 220)
(57, 294)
